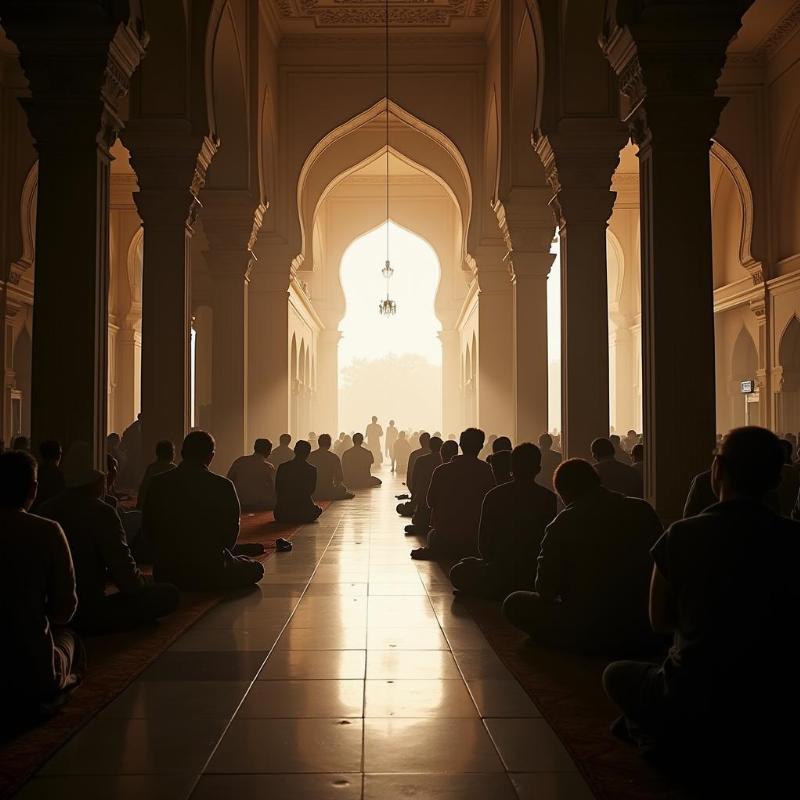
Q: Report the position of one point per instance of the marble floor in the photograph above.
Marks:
(349, 674)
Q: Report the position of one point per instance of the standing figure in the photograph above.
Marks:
(374, 433)
(391, 438)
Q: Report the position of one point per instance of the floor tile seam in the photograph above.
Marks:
(227, 726)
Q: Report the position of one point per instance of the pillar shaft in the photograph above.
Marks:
(327, 405)
(451, 399)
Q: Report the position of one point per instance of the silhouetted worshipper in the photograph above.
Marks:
(22, 443)
(312, 440)
(254, 478)
(615, 475)
(701, 495)
(788, 488)
(513, 520)
(357, 466)
(338, 447)
(593, 569)
(391, 438)
(487, 448)
(449, 451)
(637, 459)
(423, 471)
(133, 447)
(500, 462)
(401, 452)
(131, 518)
(455, 498)
(374, 434)
(192, 518)
(294, 486)
(165, 461)
(41, 658)
(407, 509)
(724, 584)
(330, 478)
(282, 453)
(101, 555)
(114, 448)
(550, 461)
(50, 476)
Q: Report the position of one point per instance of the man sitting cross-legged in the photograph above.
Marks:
(282, 453)
(330, 478)
(295, 484)
(254, 478)
(101, 554)
(37, 597)
(725, 586)
(192, 518)
(408, 508)
(455, 497)
(165, 461)
(423, 471)
(357, 465)
(513, 521)
(593, 569)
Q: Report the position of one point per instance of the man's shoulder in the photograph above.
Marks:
(39, 526)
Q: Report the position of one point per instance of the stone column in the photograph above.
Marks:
(451, 380)
(268, 354)
(579, 166)
(668, 69)
(231, 225)
(78, 57)
(171, 166)
(327, 405)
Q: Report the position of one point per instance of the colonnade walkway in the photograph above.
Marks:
(346, 675)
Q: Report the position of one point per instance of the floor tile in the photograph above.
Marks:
(410, 664)
(340, 638)
(502, 698)
(103, 787)
(529, 745)
(551, 786)
(318, 699)
(439, 787)
(428, 745)
(204, 666)
(279, 787)
(315, 665)
(259, 639)
(293, 745)
(429, 638)
(480, 664)
(418, 698)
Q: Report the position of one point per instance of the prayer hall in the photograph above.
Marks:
(400, 399)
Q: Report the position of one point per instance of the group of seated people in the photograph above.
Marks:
(589, 569)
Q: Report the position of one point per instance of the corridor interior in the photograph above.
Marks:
(351, 672)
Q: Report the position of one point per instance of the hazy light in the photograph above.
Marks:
(554, 341)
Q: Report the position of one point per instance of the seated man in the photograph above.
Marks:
(357, 465)
(330, 478)
(637, 459)
(50, 475)
(282, 453)
(423, 470)
(192, 518)
(165, 461)
(455, 498)
(401, 452)
(593, 569)
(254, 478)
(407, 509)
(101, 555)
(513, 520)
(614, 475)
(701, 495)
(725, 586)
(550, 460)
(294, 486)
(37, 597)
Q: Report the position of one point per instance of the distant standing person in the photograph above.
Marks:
(391, 438)
(400, 452)
(374, 434)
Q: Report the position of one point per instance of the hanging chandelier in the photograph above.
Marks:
(387, 307)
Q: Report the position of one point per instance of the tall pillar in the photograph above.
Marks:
(78, 57)
(668, 76)
(327, 400)
(231, 226)
(579, 167)
(170, 166)
(451, 380)
(268, 354)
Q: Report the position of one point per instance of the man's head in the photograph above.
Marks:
(358, 438)
(113, 441)
(637, 453)
(602, 449)
(748, 463)
(526, 462)
(21, 443)
(17, 480)
(788, 451)
(500, 444)
(374, 419)
(471, 441)
(435, 444)
(285, 439)
(615, 440)
(79, 472)
(301, 449)
(165, 451)
(391, 423)
(198, 448)
(575, 478)
(401, 435)
(324, 441)
(424, 439)
(50, 452)
(449, 450)
(631, 434)
(263, 447)
(545, 441)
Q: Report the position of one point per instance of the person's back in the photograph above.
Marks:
(357, 465)
(330, 477)
(294, 485)
(50, 475)
(282, 453)
(423, 449)
(550, 461)
(423, 471)
(254, 478)
(165, 461)
(401, 452)
(614, 475)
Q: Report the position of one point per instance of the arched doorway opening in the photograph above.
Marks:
(390, 367)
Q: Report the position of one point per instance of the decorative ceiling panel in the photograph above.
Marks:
(371, 13)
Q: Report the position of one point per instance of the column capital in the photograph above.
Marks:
(231, 222)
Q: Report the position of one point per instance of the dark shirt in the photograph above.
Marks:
(412, 460)
(294, 485)
(513, 520)
(329, 473)
(550, 461)
(619, 477)
(156, 468)
(97, 541)
(500, 462)
(37, 590)
(423, 471)
(595, 557)
(732, 576)
(192, 518)
(51, 483)
(357, 467)
(701, 496)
